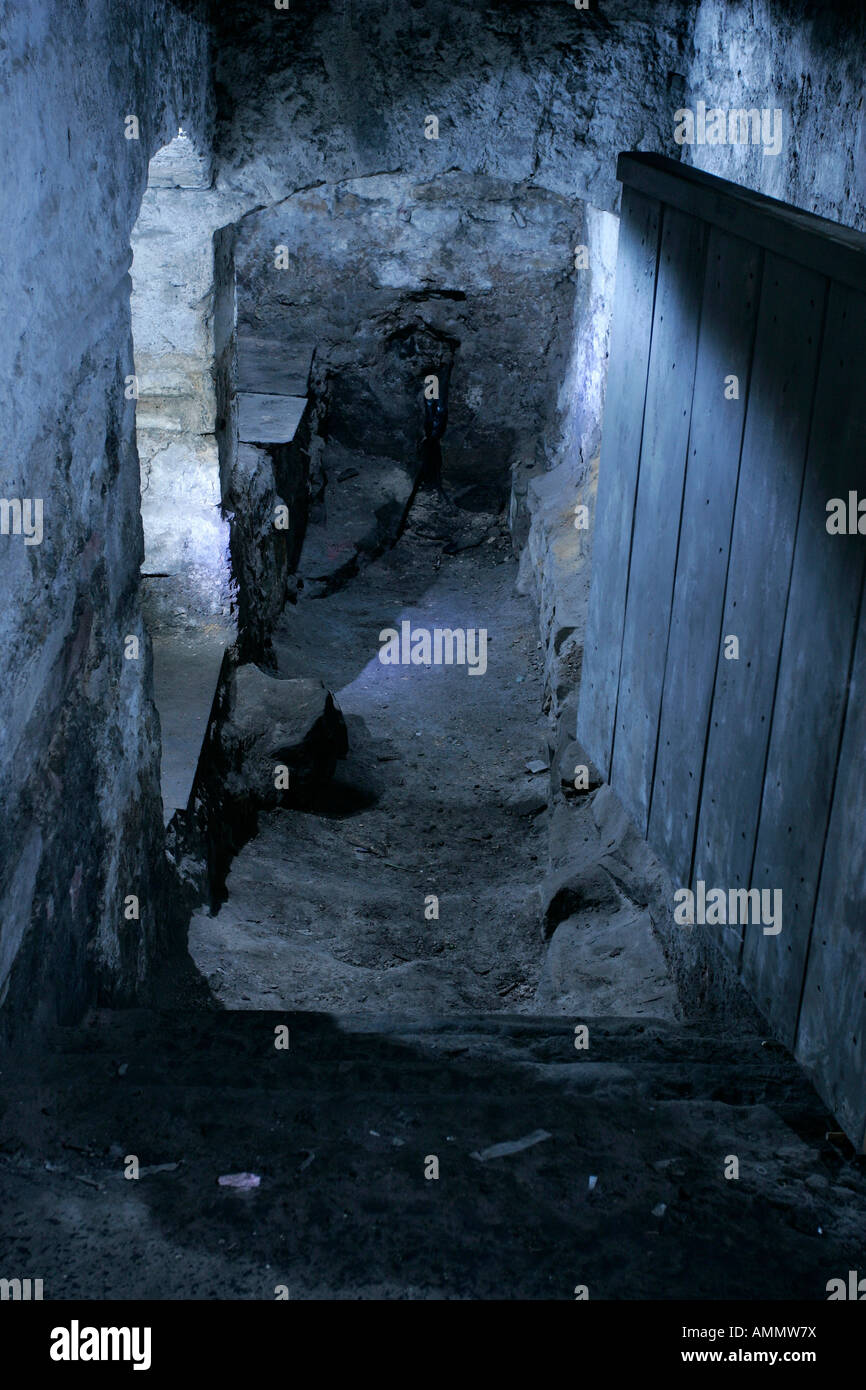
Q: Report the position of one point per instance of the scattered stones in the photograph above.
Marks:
(244, 1182)
(513, 1146)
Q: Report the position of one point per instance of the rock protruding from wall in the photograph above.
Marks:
(282, 739)
(272, 742)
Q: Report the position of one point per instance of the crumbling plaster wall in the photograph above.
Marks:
(80, 811)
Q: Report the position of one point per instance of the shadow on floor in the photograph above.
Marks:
(341, 1126)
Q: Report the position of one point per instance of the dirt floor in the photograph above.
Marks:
(331, 909)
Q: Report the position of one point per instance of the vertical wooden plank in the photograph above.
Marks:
(813, 677)
(728, 318)
(670, 387)
(831, 1036)
(778, 414)
(634, 294)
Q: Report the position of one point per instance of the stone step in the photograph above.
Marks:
(613, 1174)
(235, 1052)
(268, 419)
(331, 1031)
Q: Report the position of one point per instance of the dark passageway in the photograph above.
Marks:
(413, 887)
(432, 854)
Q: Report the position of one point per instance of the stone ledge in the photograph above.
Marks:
(267, 419)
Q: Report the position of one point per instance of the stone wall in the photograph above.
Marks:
(535, 92)
(552, 512)
(806, 59)
(185, 536)
(80, 814)
(388, 280)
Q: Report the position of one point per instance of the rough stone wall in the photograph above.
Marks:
(185, 537)
(581, 392)
(553, 512)
(80, 812)
(807, 58)
(390, 280)
(535, 92)
(535, 98)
